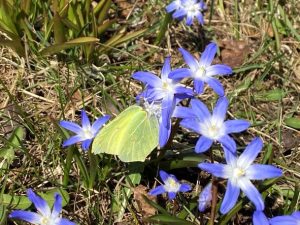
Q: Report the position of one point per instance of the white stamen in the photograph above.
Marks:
(213, 128)
(171, 185)
(87, 132)
(200, 72)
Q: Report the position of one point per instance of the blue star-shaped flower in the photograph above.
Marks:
(239, 171)
(86, 133)
(164, 93)
(202, 71)
(44, 216)
(187, 8)
(171, 186)
(212, 127)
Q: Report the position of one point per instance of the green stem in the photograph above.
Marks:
(67, 167)
(80, 163)
(93, 171)
(163, 28)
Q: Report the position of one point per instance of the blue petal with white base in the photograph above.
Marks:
(44, 214)
(171, 186)
(239, 171)
(212, 127)
(202, 71)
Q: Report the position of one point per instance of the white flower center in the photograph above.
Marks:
(200, 73)
(88, 134)
(171, 185)
(213, 128)
(192, 8)
(167, 87)
(238, 172)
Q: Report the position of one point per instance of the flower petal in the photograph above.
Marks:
(179, 13)
(57, 206)
(163, 175)
(183, 112)
(208, 55)
(199, 86)
(99, 123)
(166, 69)
(172, 6)
(189, 20)
(164, 134)
(73, 140)
(189, 59)
(171, 195)
(200, 109)
(86, 144)
(283, 220)
(236, 126)
(296, 215)
(63, 221)
(168, 104)
(228, 143)
(215, 85)
(191, 124)
(39, 203)
(30, 217)
(251, 192)
(183, 90)
(231, 158)
(217, 170)
(218, 70)
(85, 120)
(200, 18)
(205, 197)
(254, 172)
(158, 190)
(70, 126)
(203, 144)
(180, 73)
(250, 153)
(149, 79)
(231, 195)
(259, 218)
(185, 187)
(220, 109)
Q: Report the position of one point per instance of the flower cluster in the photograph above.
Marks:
(187, 8)
(213, 127)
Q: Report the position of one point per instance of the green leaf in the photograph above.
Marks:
(15, 202)
(49, 196)
(73, 43)
(59, 29)
(168, 219)
(293, 122)
(272, 95)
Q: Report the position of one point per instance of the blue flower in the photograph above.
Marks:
(44, 216)
(164, 93)
(205, 198)
(212, 127)
(202, 71)
(259, 218)
(293, 219)
(84, 134)
(171, 186)
(187, 8)
(239, 171)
